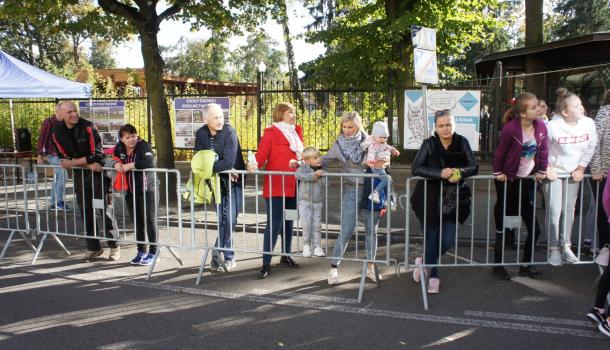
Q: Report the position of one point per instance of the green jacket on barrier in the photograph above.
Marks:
(204, 184)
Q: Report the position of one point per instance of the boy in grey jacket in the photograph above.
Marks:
(311, 185)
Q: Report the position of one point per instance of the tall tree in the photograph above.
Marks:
(201, 59)
(144, 18)
(534, 36)
(100, 56)
(370, 42)
(259, 47)
(582, 17)
(295, 84)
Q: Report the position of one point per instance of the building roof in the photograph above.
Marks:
(120, 76)
(585, 50)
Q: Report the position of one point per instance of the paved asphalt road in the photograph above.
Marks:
(61, 303)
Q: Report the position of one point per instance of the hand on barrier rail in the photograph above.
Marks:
(538, 177)
(501, 177)
(551, 174)
(578, 174)
(446, 173)
(95, 167)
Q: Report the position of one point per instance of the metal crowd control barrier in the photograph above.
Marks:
(14, 210)
(247, 233)
(469, 244)
(111, 208)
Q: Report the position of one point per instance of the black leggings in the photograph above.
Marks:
(603, 288)
(512, 209)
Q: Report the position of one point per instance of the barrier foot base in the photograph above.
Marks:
(175, 255)
(424, 292)
(61, 244)
(201, 267)
(39, 248)
(154, 262)
(362, 280)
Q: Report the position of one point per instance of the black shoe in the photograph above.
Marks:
(530, 271)
(596, 317)
(264, 271)
(604, 328)
(286, 260)
(500, 273)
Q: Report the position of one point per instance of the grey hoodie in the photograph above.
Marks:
(310, 186)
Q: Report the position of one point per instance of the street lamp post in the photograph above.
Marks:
(262, 67)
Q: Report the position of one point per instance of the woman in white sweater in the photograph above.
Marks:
(572, 140)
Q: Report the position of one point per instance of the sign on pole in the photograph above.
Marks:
(424, 54)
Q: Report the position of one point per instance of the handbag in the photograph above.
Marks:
(450, 198)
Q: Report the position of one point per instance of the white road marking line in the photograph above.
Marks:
(528, 318)
(294, 302)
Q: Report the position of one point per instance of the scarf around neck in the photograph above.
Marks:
(350, 147)
(453, 156)
(290, 133)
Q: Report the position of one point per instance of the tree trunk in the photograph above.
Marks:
(534, 36)
(295, 84)
(153, 70)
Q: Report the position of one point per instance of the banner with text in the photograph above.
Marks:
(108, 117)
(190, 116)
(463, 104)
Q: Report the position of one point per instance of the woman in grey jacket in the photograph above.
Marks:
(349, 154)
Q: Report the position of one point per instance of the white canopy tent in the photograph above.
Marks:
(21, 80)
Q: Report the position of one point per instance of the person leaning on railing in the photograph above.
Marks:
(222, 139)
(348, 152)
(445, 157)
(280, 143)
(79, 146)
(134, 153)
(521, 152)
(572, 141)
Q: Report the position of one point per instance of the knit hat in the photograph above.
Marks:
(380, 129)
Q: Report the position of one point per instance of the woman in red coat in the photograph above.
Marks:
(280, 143)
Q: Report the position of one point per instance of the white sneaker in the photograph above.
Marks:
(230, 264)
(333, 276)
(374, 197)
(370, 274)
(318, 251)
(555, 259)
(307, 251)
(569, 255)
(115, 254)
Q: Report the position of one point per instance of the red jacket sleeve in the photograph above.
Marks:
(264, 147)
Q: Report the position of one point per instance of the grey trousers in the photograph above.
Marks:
(311, 221)
(560, 198)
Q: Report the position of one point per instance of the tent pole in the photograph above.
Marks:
(10, 104)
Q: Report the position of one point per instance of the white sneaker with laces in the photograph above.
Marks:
(555, 259)
(569, 255)
(307, 251)
(333, 276)
(318, 251)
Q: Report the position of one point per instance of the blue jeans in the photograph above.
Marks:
(276, 225)
(447, 238)
(349, 209)
(227, 210)
(383, 181)
(59, 181)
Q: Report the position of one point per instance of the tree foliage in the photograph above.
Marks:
(259, 47)
(581, 17)
(367, 40)
(201, 59)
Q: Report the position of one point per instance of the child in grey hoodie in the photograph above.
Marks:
(311, 185)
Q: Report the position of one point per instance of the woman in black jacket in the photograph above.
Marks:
(444, 159)
(129, 154)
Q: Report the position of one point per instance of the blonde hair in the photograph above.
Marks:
(279, 110)
(310, 152)
(353, 117)
(563, 95)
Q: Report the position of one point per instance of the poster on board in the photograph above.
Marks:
(464, 105)
(190, 116)
(108, 117)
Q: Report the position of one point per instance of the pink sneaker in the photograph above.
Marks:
(434, 285)
(416, 271)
